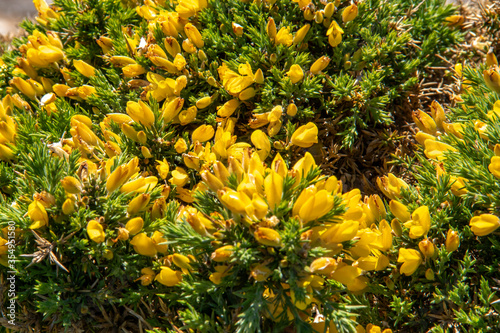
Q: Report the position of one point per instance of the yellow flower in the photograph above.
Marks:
(203, 102)
(424, 122)
(228, 108)
(268, 237)
(260, 272)
(158, 240)
(391, 186)
(179, 177)
(133, 70)
(349, 13)
(334, 34)
(140, 185)
(95, 231)
(312, 204)
(494, 166)
(71, 185)
(484, 224)
(180, 146)
(271, 29)
(399, 210)
(295, 73)
(163, 168)
(261, 142)
(143, 245)
(84, 68)
(411, 259)
(452, 241)
(351, 277)
(284, 37)
(141, 113)
(203, 133)
(138, 204)
(38, 214)
(169, 277)
(220, 272)
(324, 265)
(147, 276)
(427, 248)
(194, 35)
(492, 79)
(305, 136)
(222, 254)
(340, 232)
(420, 222)
(134, 225)
(68, 206)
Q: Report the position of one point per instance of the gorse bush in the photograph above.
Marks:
(154, 176)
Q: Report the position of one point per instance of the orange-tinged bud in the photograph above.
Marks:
(134, 225)
(452, 240)
(138, 204)
(271, 29)
(84, 68)
(305, 136)
(71, 185)
(143, 245)
(484, 224)
(95, 231)
(203, 133)
(295, 73)
(349, 13)
(222, 254)
(411, 259)
(268, 237)
(319, 65)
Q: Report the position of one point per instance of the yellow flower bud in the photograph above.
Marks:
(147, 276)
(117, 178)
(329, 9)
(71, 185)
(340, 232)
(319, 65)
(84, 68)
(228, 108)
(212, 181)
(427, 248)
(429, 274)
(399, 210)
(140, 185)
(305, 136)
(194, 35)
(273, 188)
(424, 122)
(491, 59)
(484, 224)
(295, 73)
(259, 77)
(138, 204)
(68, 206)
(95, 231)
(349, 13)
(24, 87)
(182, 261)
(411, 259)
(171, 109)
(169, 277)
(452, 240)
(134, 225)
(247, 94)
(268, 237)
(133, 70)
(203, 133)
(143, 245)
(271, 29)
(492, 79)
(308, 14)
(204, 102)
(172, 46)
